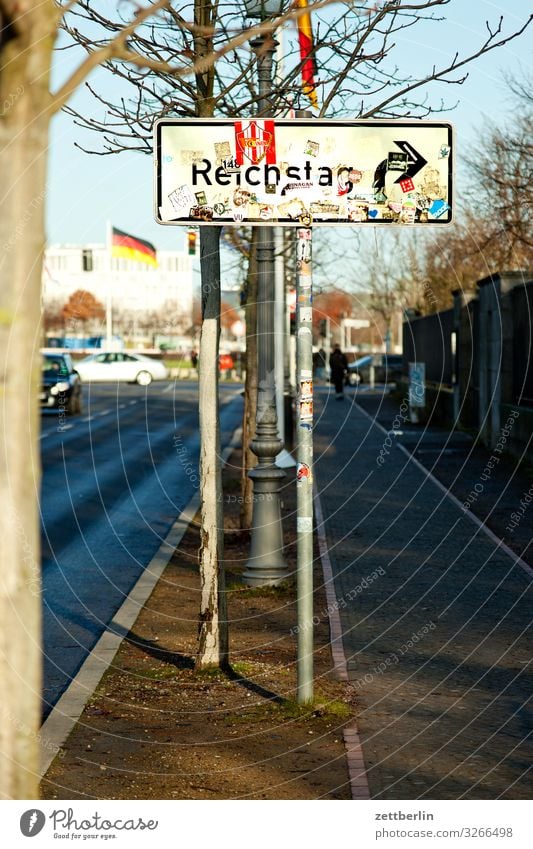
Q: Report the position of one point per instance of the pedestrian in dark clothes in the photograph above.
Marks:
(338, 365)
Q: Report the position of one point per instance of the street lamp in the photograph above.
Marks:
(263, 9)
(266, 565)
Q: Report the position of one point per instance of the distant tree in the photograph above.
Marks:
(334, 305)
(52, 317)
(228, 315)
(196, 319)
(501, 185)
(494, 223)
(82, 308)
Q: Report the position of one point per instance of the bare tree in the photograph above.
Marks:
(500, 171)
(354, 50)
(357, 75)
(493, 231)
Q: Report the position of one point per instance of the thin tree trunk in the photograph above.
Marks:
(249, 459)
(24, 76)
(213, 629)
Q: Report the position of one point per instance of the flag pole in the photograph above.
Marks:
(109, 290)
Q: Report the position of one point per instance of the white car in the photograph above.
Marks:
(132, 368)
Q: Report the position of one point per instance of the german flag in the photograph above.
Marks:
(305, 39)
(130, 247)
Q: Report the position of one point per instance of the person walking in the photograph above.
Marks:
(338, 365)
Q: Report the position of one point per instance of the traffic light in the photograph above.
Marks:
(191, 242)
(323, 327)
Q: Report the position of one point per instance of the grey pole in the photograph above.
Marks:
(304, 468)
(284, 460)
(266, 564)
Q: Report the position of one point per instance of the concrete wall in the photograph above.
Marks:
(480, 361)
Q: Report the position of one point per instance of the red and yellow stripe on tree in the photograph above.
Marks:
(305, 38)
(125, 246)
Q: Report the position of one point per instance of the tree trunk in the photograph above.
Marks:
(249, 459)
(213, 629)
(25, 57)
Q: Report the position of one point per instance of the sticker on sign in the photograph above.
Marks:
(285, 172)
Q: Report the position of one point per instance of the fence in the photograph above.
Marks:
(478, 359)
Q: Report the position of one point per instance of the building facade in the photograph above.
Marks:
(132, 286)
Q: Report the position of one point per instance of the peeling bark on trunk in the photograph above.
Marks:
(213, 627)
(249, 459)
(25, 57)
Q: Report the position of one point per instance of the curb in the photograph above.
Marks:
(70, 706)
(354, 751)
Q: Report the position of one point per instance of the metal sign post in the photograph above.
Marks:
(296, 173)
(304, 467)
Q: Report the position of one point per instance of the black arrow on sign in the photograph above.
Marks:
(416, 161)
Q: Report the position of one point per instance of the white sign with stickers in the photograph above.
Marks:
(302, 172)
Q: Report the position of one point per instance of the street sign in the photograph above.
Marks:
(417, 384)
(301, 172)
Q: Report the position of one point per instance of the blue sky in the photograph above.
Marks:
(84, 191)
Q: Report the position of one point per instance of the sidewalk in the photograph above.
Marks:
(434, 613)
(153, 728)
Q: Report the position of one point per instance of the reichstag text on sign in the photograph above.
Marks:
(301, 172)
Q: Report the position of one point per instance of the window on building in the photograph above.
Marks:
(87, 259)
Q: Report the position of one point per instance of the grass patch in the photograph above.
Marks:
(161, 673)
(244, 669)
(290, 710)
(210, 673)
(175, 363)
(279, 591)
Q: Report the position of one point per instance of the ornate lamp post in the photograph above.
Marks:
(266, 564)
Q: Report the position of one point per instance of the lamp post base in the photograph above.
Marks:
(266, 565)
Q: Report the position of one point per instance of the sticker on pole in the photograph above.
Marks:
(298, 173)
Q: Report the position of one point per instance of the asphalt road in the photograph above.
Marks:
(114, 481)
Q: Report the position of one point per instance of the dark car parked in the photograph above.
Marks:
(387, 367)
(61, 384)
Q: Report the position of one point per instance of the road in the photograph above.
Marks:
(114, 481)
